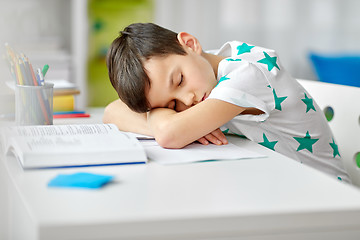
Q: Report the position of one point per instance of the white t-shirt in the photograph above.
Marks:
(292, 123)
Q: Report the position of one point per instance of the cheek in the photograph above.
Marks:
(205, 71)
(208, 72)
(201, 73)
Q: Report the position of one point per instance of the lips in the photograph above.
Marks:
(204, 97)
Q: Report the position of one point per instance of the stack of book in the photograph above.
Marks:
(64, 95)
(64, 102)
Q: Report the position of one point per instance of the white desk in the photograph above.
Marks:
(267, 198)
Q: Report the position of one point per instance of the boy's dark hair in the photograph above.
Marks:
(135, 44)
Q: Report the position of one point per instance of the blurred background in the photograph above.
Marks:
(73, 36)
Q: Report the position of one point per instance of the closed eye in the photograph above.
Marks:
(181, 80)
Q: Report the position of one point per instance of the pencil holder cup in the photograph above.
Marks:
(34, 104)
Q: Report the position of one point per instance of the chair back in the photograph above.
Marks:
(341, 105)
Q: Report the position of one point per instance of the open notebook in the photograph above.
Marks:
(195, 152)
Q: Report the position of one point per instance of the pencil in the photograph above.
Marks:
(44, 109)
(23, 72)
(19, 75)
(27, 71)
(31, 72)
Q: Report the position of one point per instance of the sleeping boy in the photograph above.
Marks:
(171, 89)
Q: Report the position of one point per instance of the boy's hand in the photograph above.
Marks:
(216, 137)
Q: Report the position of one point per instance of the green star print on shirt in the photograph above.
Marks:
(244, 48)
(269, 61)
(233, 59)
(223, 78)
(267, 143)
(335, 148)
(309, 103)
(306, 142)
(278, 100)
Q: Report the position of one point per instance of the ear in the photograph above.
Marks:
(189, 41)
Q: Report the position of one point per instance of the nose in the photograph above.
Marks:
(189, 99)
(186, 97)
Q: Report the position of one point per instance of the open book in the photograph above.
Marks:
(71, 145)
(196, 152)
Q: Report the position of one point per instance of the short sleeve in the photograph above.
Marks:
(244, 84)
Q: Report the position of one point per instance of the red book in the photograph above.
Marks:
(72, 115)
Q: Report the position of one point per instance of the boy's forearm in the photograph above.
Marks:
(160, 121)
(125, 119)
(171, 130)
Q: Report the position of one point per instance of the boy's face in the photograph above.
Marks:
(179, 81)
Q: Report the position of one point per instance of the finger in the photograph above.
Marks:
(203, 141)
(220, 135)
(211, 138)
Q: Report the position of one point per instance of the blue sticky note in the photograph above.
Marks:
(80, 180)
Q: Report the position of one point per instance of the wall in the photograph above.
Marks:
(42, 30)
(292, 27)
(106, 19)
(35, 26)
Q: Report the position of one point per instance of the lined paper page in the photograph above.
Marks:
(196, 152)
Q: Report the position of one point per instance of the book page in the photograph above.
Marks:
(61, 139)
(64, 130)
(196, 152)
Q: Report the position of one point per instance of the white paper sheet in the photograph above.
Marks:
(196, 152)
